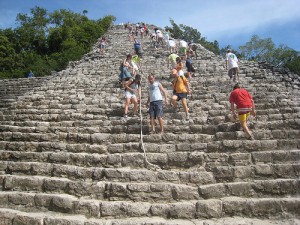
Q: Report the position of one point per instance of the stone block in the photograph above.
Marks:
(166, 148)
(201, 178)
(262, 157)
(180, 193)
(209, 209)
(99, 138)
(243, 172)
(264, 208)
(182, 210)
(284, 170)
(116, 148)
(55, 185)
(114, 160)
(87, 207)
(63, 221)
(213, 191)
(235, 207)
(195, 158)
(169, 176)
(263, 170)
(6, 216)
(19, 167)
(142, 175)
(133, 160)
(178, 159)
(116, 191)
(240, 159)
(63, 203)
(252, 145)
(160, 210)
(183, 147)
(43, 200)
(115, 209)
(139, 209)
(23, 218)
(158, 159)
(240, 189)
(21, 199)
(223, 173)
(269, 144)
(96, 160)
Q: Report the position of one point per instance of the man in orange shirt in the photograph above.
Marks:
(244, 104)
(181, 89)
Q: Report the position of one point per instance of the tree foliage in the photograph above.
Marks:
(259, 49)
(44, 41)
(190, 34)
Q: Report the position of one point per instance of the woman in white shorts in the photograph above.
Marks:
(132, 91)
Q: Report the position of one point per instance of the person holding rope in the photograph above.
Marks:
(155, 103)
(244, 104)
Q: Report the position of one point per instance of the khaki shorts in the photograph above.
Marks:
(232, 71)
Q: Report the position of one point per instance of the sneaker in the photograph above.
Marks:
(187, 116)
(125, 116)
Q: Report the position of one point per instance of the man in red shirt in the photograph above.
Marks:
(244, 104)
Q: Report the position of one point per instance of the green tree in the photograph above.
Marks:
(44, 41)
(258, 49)
(190, 34)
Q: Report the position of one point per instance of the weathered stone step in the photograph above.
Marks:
(10, 216)
(221, 169)
(260, 134)
(217, 208)
(150, 191)
(95, 173)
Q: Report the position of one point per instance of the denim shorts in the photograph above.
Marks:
(156, 109)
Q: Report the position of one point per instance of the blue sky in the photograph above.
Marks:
(227, 21)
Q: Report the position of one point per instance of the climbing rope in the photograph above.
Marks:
(147, 163)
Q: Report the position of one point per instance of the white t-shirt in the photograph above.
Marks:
(183, 44)
(232, 60)
(172, 43)
(159, 34)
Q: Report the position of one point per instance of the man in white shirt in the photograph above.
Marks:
(232, 65)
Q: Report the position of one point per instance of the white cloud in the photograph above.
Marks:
(242, 16)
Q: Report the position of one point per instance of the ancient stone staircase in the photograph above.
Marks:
(68, 156)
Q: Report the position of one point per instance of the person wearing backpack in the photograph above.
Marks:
(181, 88)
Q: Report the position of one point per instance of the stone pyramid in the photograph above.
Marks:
(67, 157)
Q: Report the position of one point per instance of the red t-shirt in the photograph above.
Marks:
(241, 98)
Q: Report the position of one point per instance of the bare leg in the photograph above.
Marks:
(184, 104)
(245, 128)
(135, 103)
(127, 102)
(174, 101)
(161, 124)
(152, 123)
